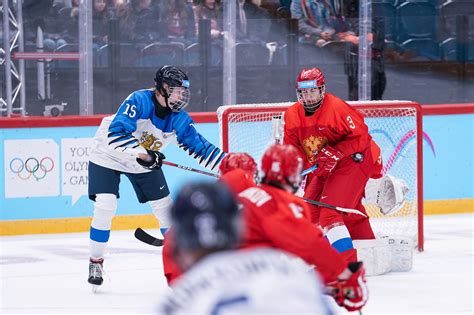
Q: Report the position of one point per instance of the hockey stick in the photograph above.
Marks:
(308, 170)
(146, 238)
(325, 205)
(187, 168)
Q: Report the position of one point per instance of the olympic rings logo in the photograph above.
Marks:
(31, 167)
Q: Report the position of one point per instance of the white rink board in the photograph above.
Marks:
(46, 274)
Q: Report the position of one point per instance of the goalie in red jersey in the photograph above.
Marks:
(238, 171)
(333, 135)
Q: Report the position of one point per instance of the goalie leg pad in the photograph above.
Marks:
(161, 210)
(401, 249)
(375, 254)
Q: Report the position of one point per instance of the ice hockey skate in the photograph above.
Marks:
(95, 273)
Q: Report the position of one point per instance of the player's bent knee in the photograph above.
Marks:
(375, 254)
(161, 209)
(105, 207)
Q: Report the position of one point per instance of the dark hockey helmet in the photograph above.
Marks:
(282, 164)
(310, 88)
(176, 91)
(206, 216)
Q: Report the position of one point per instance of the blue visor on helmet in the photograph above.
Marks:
(185, 83)
(307, 84)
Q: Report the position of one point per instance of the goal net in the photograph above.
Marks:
(394, 125)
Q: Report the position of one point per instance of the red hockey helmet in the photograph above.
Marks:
(238, 160)
(310, 88)
(282, 164)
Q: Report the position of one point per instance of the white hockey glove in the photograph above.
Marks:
(156, 160)
(388, 193)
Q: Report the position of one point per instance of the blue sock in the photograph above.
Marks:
(163, 231)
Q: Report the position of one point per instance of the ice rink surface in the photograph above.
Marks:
(46, 274)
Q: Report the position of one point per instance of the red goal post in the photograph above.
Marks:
(396, 126)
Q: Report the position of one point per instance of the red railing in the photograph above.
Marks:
(198, 117)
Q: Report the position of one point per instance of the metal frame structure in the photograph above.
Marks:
(14, 73)
(385, 109)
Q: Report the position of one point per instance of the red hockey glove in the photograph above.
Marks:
(352, 294)
(327, 160)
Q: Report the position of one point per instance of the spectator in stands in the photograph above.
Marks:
(138, 22)
(177, 21)
(209, 10)
(43, 14)
(253, 22)
(53, 31)
(377, 37)
(320, 21)
(313, 20)
(100, 24)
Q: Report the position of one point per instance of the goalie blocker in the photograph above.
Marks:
(388, 193)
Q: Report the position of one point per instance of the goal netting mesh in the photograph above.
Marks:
(394, 125)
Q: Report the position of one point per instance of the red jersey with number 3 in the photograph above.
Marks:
(275, 218)
(335, 123)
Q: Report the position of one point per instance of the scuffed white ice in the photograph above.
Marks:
(47, 274)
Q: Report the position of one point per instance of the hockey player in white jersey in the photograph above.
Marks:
(207, 226)
(130, 143)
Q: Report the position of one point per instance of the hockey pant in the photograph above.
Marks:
(344, 187)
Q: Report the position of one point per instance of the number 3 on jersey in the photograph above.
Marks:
(130, 110)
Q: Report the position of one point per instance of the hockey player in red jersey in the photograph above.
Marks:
(275, 217)
(208, 227)
(333, 135)
(238, 172)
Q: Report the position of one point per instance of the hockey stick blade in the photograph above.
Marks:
(143, 236)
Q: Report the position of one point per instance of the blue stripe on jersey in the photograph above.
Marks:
(101, 236)
(214, 154)
(189, 139)
(128, 143)
(121, 138)
(343, 244)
